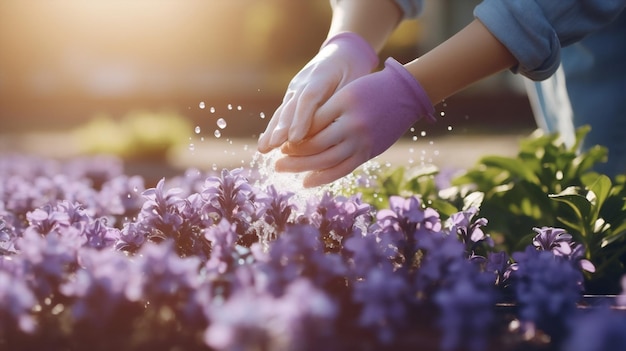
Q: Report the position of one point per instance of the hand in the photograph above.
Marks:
(342, 58)
(358, 123)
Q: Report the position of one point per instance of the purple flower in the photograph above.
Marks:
(223, 238)
(498, 264)
(466, 301)
(100, 236)
(276, 209)
(300, 320)
(7, 238)
(560, 243)
(105, 283)
(547, 288)
(45, 219)
(600, 329)
(160, 211)
(385, 299)
(299, 253)
(469, 229)
(552, 239)
(230, 197)
(16, 301)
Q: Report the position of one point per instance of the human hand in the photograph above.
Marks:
(358, 123)
(341, 59)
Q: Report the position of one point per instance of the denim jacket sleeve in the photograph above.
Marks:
(534, 31)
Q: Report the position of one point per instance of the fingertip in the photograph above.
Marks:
(311, 181)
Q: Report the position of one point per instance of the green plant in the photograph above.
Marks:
(597, 218)
(546, 184)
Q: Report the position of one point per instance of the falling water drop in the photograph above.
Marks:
(197, 130)
(217, 133)
(201, 138)
(449, 127)
(414, 137)
(212, 109)
(201, 105)
(443, 114)
(221, 123)
(230, 106)
(239, 107)
(192, 147)
(423, 133)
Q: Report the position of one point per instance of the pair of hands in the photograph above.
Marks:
(336, 115)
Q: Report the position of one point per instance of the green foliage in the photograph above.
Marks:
(546, 184)
(406, 182)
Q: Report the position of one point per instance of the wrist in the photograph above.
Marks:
(413, 88)
(357, 47)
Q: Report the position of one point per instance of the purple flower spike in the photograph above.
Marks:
(469, 229)
(552, 239)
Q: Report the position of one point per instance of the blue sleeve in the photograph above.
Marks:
(410, 8)
(535, 30)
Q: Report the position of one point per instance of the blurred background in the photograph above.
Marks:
(107, 71)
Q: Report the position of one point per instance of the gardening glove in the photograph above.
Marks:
(341, 59)
(357, 123)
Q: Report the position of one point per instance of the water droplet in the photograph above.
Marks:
(431, 142)
(212, 109)
(414, 137)
(239, 107)
(423, 133)
(201, 138)
(262, 115)
(214, 167)
(443, 114)
(192, 147)
(221, 123)
(449, 127)
(135, 189)
(230, 106)
(201, 105)
(197, 130)
(128, 196)
(217, 133)
(412, 129)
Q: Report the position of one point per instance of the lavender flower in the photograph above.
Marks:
(560, 243)
(276, 210)
(160, 211)
(600, 329)
(469, 230)
(385, 297)
(230, 197)
(300, 320)
(466, 303)
(16, 302)
(547, 289)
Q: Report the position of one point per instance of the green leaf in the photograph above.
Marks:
(513, 165)
(600, 185)
(581, 206)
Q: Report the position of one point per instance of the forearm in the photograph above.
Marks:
(374, 20)
(467, 57)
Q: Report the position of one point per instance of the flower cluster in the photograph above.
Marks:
(90, 256)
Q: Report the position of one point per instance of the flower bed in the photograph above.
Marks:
(92, 260)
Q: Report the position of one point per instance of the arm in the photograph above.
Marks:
(373, 20)
(467, 57)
